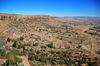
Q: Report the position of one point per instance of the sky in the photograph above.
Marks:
(58, 8)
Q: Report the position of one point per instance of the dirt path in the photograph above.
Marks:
(92, 48)
(2, 61)
(93, 54)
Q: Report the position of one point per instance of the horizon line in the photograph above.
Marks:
(49, 15)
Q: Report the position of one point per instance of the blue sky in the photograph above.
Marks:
(51, 7)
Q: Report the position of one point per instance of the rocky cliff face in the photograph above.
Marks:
(15, 17)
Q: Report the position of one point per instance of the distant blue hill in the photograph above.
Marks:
(86, 17)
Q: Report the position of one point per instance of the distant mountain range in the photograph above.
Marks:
(86, 17)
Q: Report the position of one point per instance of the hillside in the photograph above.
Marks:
(42, 40)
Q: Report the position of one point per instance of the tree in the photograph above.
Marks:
(79, 46)
(59, 52)
(31, 58)
(60, 38)
(84, 60)
(70, 41)
(96, 58)
(23, 46)
(43, 46)
(53, 52)
(8, 39)
(69, 34)
(15, 44)
(76, 33)
(89, 60)
(50, 45)
(38, 52)
(19, 46)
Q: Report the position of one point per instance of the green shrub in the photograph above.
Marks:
(38, 52)
(2, 53)
(21, 38)
(76, 33)
(70, 41)
(35, 64)
(17, 59)
(79, 46)
(61, 62)
(36, 39)
(14, 52)
(13, 60)
(93, 33)
(8, 39)
(59, 52)
(53, 52)
(84, 60)
(23, 53)
(50, 45)
(31, 58)
(23, 46)
(69, 64)
(15, 44)
(43, 46)
(60, 38)
(10, 62)
(54, 63)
